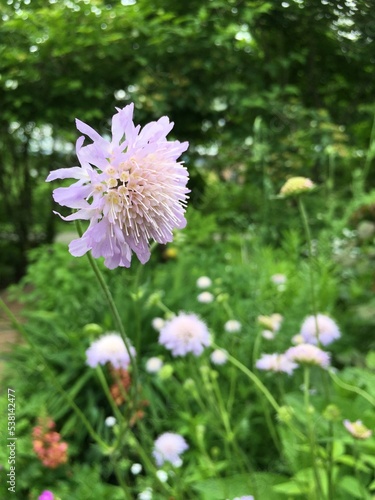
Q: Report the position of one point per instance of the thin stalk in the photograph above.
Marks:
(310, 430)
(114, 311)
(17, 325)
(351, 388)
(310, 255)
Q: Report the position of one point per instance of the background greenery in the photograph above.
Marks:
(263, 91)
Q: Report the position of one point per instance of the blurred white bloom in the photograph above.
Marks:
(205, 298)
(145, 494)
(278, 279)
(308, 354)
(219, 357)
(232, 326)
(272, 322)
(357, 429)
(204, 282)
(158, 323)
(136, 469)
(110, 421)
(268, 334)
(153, 365)
(162, 476)
(276, 363)
(297, 339)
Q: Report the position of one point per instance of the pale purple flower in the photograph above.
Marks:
(154, 365)
(205, 298)
(168, 447)
(110, 348)
(185, 333)
(278, 279)
(276, 363)
(308, 354)
(232, 326)
(131, 188)
(46, 495)
(204, 282)
(357, 429)
(319, 329)
(219, 357)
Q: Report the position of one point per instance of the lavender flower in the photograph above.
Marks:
(276, 363)
(319, 329)
(130, 188)
(308, 354)
(109, 348)
(185, 333)
(168, 447)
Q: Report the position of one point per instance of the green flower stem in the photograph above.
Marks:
(262, 388)
(17, 325)
(115, 313)
(310, 254)
(121, 481)
(330, 462)
(357, 459)
(310, 431)
(107, 392)
(351, 388)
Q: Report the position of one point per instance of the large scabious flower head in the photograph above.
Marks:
(308, 354)
(185, 333)
(131, 188)
(319, 329)
(110, 348)
(168, 447)
(297, 185)
(276, 363)
(357, 429)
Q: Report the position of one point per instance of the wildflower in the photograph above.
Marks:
(357, 429)
(272, 322)
(205, 298)
(297, 185)
(158, 323)
(46, 495)
(162, 476)
(232, 326)
(308, 354)
(319, 329)
(276, 363)
(297, 339)
(268, 334)
(154, 365)
(278, 279)
(145, 494)
(130, 188)
(110, 421)
(47, 444)
(219, 357)
(204, 282)
(110, 348)
(168, 447)
(136, 469)
(185, 333)
(246, 497)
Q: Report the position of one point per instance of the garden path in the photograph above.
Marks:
(8, 335)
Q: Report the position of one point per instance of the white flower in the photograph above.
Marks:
(110, 348)
(308, 354)
(232, 326)
(168, 447)
(136, 469)
(219, 357)
(153, 365)
(276, 363)
(158, 323)
(204, 282)
(205, 298)
(162, 476)
(278, 279)
(145, 494)
(268, 334)
(110, 421)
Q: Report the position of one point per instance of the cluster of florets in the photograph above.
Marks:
(168, 447)
(109, 348)
(47, 444)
